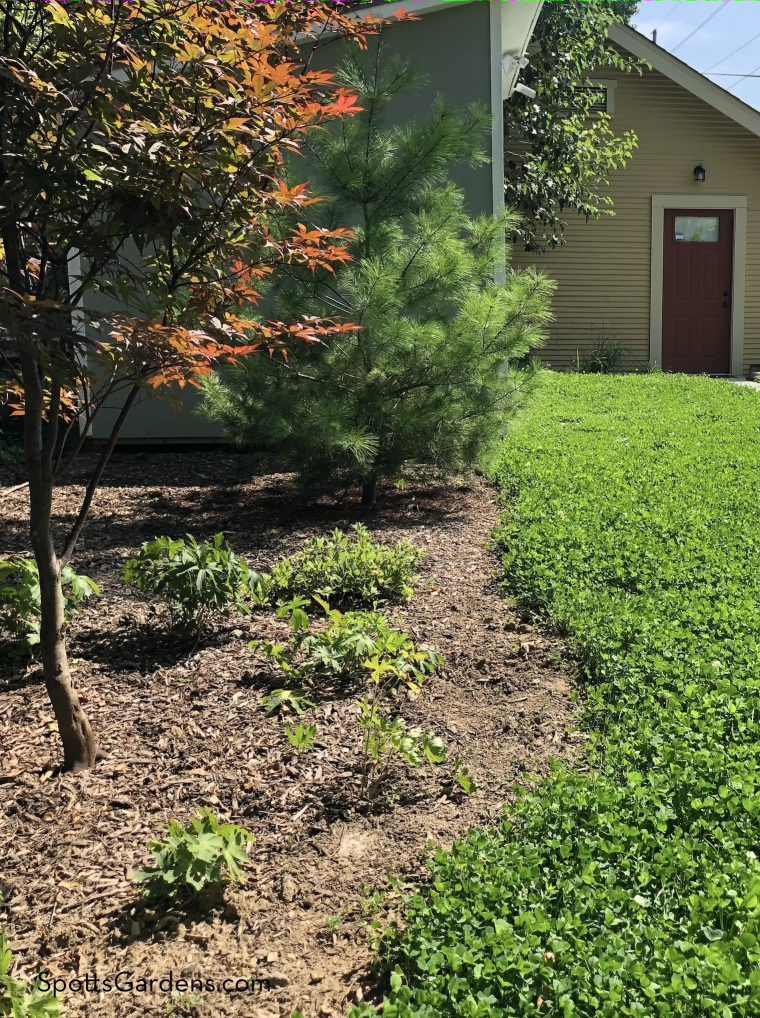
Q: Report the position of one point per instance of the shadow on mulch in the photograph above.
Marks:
(143, 646)
(19, 669)
(281, 507)
(263, 680)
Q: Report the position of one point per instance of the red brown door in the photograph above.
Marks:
(696, 296)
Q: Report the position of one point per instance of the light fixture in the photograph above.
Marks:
(512, 67)
(700, 174)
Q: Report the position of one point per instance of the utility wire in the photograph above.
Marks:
(733, 51)
(752, 74)
(674, 6)
(700, 26)
(729, 74)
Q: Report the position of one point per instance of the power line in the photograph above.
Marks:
(673, 8)
(751, 74)
(729, 74)
(700, 26)
(733, 51)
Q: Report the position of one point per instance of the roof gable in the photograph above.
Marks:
(679, 72)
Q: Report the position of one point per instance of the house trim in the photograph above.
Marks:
(497, 130)
(685, 76)
(737, 203)
(610, 85)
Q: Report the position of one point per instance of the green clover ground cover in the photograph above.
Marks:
(632, 888)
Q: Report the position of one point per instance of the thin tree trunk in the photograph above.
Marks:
(105, 456)
(80, 749)
(369, 492)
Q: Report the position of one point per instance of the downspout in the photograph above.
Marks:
(511, 29)
(497, 132)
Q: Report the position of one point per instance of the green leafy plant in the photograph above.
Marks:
(348, 570)
(386, 739)
(285, 700)
(185, 1006)
(195, 863)
(463, 778)
(352, 646)
(301, 737)
(20, 598)
(355, 646)
(193, 578)
(605, 358)
(17, 999)
(559, 150)
(631, 888)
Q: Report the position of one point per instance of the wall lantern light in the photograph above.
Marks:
(700, 174)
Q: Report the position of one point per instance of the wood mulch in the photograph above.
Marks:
(183, 728)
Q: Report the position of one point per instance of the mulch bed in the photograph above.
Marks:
(183, 728)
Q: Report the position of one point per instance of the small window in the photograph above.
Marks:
(697, 229)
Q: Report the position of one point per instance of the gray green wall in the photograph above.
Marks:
(451, 49)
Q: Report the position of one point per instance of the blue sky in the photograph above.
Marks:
(732, 24)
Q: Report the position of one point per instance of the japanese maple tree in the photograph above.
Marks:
(141, 149)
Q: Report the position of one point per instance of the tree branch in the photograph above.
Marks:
(97, 474)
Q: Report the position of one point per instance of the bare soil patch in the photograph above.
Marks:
(183, 728)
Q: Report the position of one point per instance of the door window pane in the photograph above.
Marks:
(698, 229)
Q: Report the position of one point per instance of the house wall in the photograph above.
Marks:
(451, 48)
(603, 272)
(150, 418)
(451, 51)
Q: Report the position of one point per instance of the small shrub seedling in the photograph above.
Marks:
(358, 647)
(195, 863)
(346, 571)
(352, 645)
(17, 999)
(301, 737)
(185, 1006)
(193, 578)
(20, 599)
(463, 778)
(386, 739)
(285, 700)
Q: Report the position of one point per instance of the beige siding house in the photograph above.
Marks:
(674, 277)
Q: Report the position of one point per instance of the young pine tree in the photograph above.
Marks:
(442, 356)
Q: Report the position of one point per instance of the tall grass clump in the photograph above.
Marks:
(633, 888)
